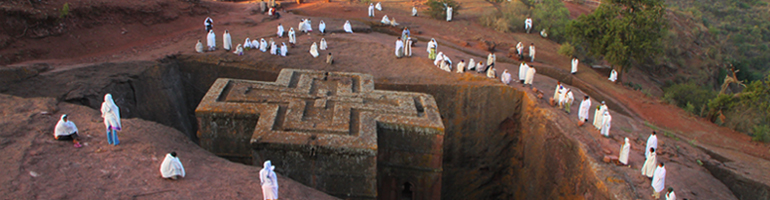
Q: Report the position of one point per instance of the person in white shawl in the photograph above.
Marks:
(269, 181)
(255, 44)
(111, 115)
(530, 76)
(301, 26)
(523, 67)
(567, 100)
(505, 77)
(574, 65)
(280, 31)
(461, 66)
(211, 41)
(385, 20)
(585, 107)
(613, 76)
(228, 43)
(448, 13)
(284, 49)
(66, 130)
(408, 46)
(528, 24)
(414, 12)
(347, 27)
(598, 115)
(308, 25)
(273, 47)
(314, 50)
(262, 45)
(520, 49)
(448, 63)
(399, 48)
(247, 44)
(292, 37)
(652, 143)
(606, 124)
(491, 59)
(670, 195)
(371, 10)
(471, 65)
(238, 50)
(624, 150)
(322, 27)
(491, 73)
(199, 47)
(648, 169)
(532, 52)
(393, 22)
(432, 48)
(208, 24)
(557, 94)
(439, 58)
(171, 167)
(323, 46)
(378, 6)
(659, 180)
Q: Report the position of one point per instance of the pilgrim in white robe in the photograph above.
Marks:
(491, 72)
(471, 65)
(479, 65)
(255, 44)
(280, 31)
(439, 58)
(528, 24)
(505, 77)
(574, 65)
(543, 33)
(461, 66)
(307, 26)
(624, 150)
(378, 6)
(648, 169)
(585, 107)
(322, 27)
(491, 59)
(567, 100)
(432, 48)
(385, 20)
(64, 127)
(532, 52)
(263, 45)
(301, 26)
(314, 50)
(211, 41)
(520, 49)
(606, 124)
(523, 67)
(269, 181)
(292, 36)
(111, 115)
(273, 48)
(208, 24)
(247, 44)
(399, 48)
(171, 167)
(393, 22)
(414, 12)
(323, 45)
(652, 142)
(659, 180)
(446, 64)
(598, 115)
(408, 47)
(671, 196)
(371, 10)
(448, 13)
(613, 76)
(347, 27)
(199, 47)
(557, 92)
(284, 49)
(530, 75)
(228, 43)
(239, 50)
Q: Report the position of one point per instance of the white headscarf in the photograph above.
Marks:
(211, 41)
(659, 179)
(228, 43)
(284, 49)
(247, 43)
(506, 77)
(347, 27)
(323, 44)
(238, 50)
(64, 128)
(171, 166)
(279, 32)
(199, 47)
(314, 50)
(624, 150)
(262, 45)
(322, 26)
(292, 36)
(378, 6)
(385, 20)
(110, 113)
(269, 181)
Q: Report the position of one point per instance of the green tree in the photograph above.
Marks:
(437, 8)
(625, 32)
(552, 16)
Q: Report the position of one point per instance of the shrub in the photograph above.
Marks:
(437, 10)
(65, 10)
(566, 49)
(761, 133)
(552, 16)
(688, 93)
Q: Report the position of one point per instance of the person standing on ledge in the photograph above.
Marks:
(269, 181)
(659, 180)
(585, 106)
(652, 143)
(111, 115)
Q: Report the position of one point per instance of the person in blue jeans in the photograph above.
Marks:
(111, 115)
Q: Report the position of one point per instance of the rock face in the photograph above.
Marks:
(331, 131)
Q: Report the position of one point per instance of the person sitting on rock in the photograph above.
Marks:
(172, 168)
(66, 130)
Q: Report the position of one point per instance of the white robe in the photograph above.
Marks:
(447, 63)
(292, 36)
(606, 124)
(448, 13)
(385, 20)
(613, 76)
(491, 73)
(393, 22)
(471, 65)
(378, 6)
(506, 77)
(527, 23)
(228, 43)
(322, 26)
(648, 169)
(532, 53)
(652, 142)
(399, 48)
(314, 50)
(280, 31)
(273, 48)
(568, 98)
(347, 27)
(211, 40)
(371, 10)
(284, 49)
(530, 76)
(171, 166)
(247, 44)
(269, 181)
(323, 45)
(238, 50)
(523, 67)
(491, 59)
(64, 128)
(574, 65)
(461, 67)
(624, 150)
(206, 21)
(439, 58)
(557, 93)
(255, 44)
(671, 196)
(262, 45)
(308, 25)
(659, 179)
(585, 107)
(598, 116)
(110, 113)
(199, 47)
(432, 45)
(414, 12)
(408, 47)
(301, 26)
